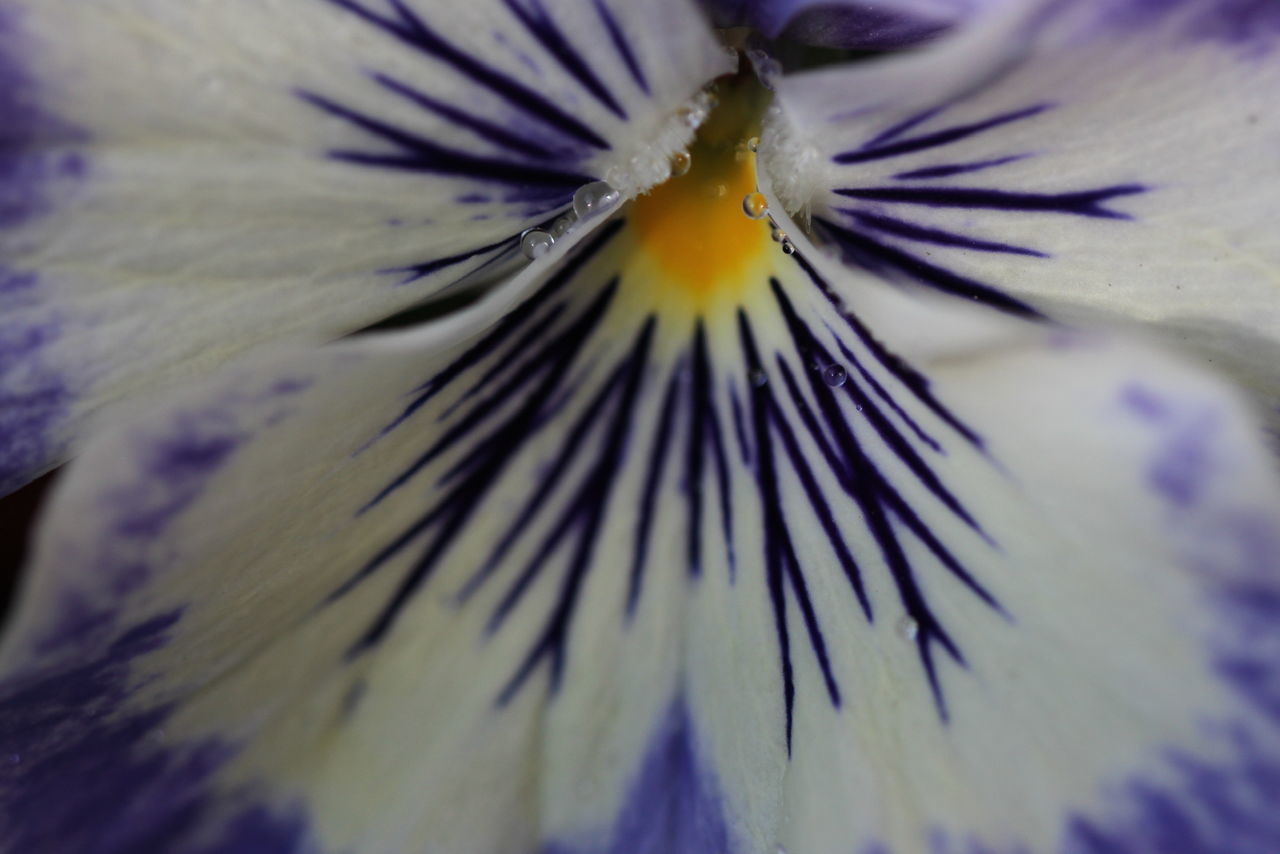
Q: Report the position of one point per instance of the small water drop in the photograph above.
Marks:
(834, 375)
(681, 163)
(594, 198)
(778, 235)
(755, 205)
(562, 226)
(759, 378)
(753, 144)
(535, 243)
(908, 628)
(788, 248)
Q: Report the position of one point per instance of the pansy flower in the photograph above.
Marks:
(776, 474)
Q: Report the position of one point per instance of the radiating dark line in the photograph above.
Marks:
(881, 392)
(774, 529)
(739, 424)
(1086, 203)
(896, 130)
(695, 448)
(596, 494)
(551, 359)
(934, 140)
(808, 346)
(509, 325)
(509, 359)
(466, 496)
(541, 26)
(426, 268)
(946, 170)
(482, 128)
(935, 236)
(623, 47)
(658, 451)
(715, 440)
(575, 441)
(423, 155)
(914, 381)
(817, 500)
(412, 30)
(877, 256)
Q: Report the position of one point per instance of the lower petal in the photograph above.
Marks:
(792, 560)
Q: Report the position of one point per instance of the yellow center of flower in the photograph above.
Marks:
(692, 231)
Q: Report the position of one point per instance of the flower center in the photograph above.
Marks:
(693, 228)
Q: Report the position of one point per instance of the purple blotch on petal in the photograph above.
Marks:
(673, 805)
(1183, 462)
(79, 773)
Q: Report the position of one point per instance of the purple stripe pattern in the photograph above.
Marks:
(518, 381)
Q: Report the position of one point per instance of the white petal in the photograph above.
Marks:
(619, 576)
(183, 182)
(1095, 161)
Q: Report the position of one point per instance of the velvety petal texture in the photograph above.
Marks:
(180, 182)
(1092, 161)
(752, 556)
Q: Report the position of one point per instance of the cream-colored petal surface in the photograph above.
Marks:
(1096, 161)
(793, 560)
(186, 181)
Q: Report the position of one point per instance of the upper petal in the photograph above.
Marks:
(850, 24)
(794, 561)
(1087, 160)
(179, 183)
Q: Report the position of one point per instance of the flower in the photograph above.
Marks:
(714, 521)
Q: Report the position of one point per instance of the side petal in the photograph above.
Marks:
(178, 184)
(1090, 161)
(655, 565)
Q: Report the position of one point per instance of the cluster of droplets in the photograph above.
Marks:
(590, 201)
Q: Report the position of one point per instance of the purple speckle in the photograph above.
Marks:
(1185, 438)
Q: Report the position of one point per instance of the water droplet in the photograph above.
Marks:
(561, 226)
(759, 378)
(834, 375)
(681, 162)
(594, 198)
(778, 235)
(908, 628)
(755, 205)
(788, 248)
(535, 243)
(753, 144)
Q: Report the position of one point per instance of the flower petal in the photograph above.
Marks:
(1091, 161)
(178, 184)
(809, 563)
(851, 24)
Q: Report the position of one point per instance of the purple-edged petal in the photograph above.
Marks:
(806, 563)
(1092, 161)
(851, 24)
(180, 183)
